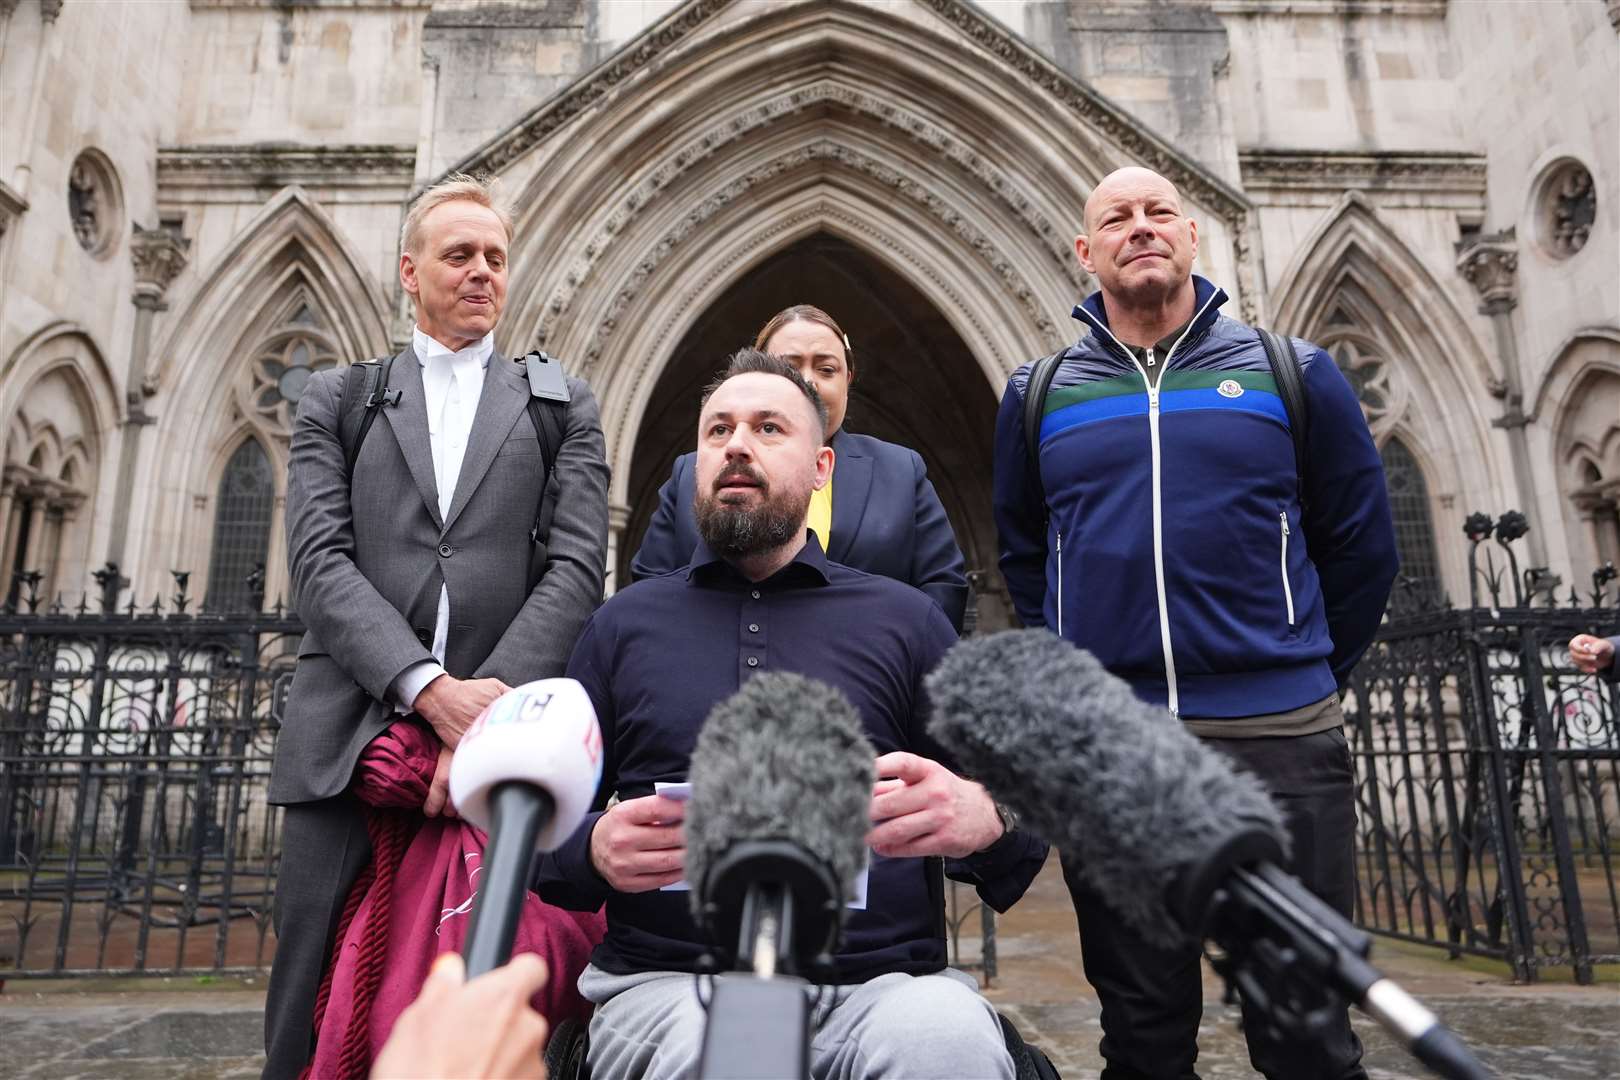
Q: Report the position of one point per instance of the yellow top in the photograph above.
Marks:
(820, 520)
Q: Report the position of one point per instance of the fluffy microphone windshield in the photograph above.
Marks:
(1118, 785)
(784, 758)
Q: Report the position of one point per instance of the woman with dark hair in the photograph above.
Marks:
(879, 514)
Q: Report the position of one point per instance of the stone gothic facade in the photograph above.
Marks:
(200, 203)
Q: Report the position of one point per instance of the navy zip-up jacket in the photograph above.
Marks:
(1172, 541)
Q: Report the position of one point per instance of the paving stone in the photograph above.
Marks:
(1540, 1032)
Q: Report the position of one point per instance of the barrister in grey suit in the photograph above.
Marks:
(419, 584)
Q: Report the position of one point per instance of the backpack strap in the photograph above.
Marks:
(548, 412)
(1291, 388)
(1040, 381)
(365, 392)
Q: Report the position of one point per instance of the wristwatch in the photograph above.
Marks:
(1009, 820)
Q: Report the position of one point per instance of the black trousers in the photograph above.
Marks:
(324, 847)
(1152, 998)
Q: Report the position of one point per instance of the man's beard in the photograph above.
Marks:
(740, 531)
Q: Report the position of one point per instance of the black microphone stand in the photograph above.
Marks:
(781, 906)
(1298, 962)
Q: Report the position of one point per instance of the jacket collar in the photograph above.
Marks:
(809, 566)
(1207, 300)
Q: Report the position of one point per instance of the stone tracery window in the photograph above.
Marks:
(1365, 360)
(1378, 387)
(1414, 522)
(269, 393)
(288, 345)
(242, 519)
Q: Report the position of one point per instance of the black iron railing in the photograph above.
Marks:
(1488, 770)
(135, 747)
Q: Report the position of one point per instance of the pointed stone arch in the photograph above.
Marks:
(1355, 276)
(290, 231)
(1356, 288)
(915, 134)
(290, 257)
(1580, 400)
(60, 417)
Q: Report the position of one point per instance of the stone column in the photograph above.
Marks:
(159, 256)
(44, 58)
(36, 530)
(618, 521)
(1491, 265)
(8, 535)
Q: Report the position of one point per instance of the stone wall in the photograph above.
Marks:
(1337, 150)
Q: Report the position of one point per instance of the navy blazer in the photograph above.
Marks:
(886, 520)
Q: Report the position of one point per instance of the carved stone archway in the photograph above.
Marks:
(916, 384)
(924, 135)
(289, 258)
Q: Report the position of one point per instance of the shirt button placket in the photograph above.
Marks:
(751, 655)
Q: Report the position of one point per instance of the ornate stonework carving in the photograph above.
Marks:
(939, 143)
(1491, 265)
(1614, 13)
(587, 91)
(1567, 207)
(821, 211)
(1341, 171)
(1109, 121)
(269, 387)
(159, 255)
(820, 150)
(1383, 393)
(272, 166)
(7, 7)
(50, 9)
(95, 205)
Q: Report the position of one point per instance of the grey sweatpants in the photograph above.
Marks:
(937, 1026)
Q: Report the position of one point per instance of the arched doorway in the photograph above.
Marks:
(916, 383)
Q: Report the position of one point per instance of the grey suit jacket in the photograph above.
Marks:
(367, 566)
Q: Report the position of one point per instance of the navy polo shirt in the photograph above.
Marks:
(657, 656)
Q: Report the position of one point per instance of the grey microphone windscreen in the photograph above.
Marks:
(1119, 786)
(784, 758)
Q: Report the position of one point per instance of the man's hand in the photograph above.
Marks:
(438, 796)
(451, 704)
(640, 844)
(1591, 654)
(484, 1028)
(922, 808)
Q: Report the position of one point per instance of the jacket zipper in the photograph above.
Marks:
(1060, 582)
(1174, 696)
(1172, 691)
(1288, 590)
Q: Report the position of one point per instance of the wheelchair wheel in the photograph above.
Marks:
(1029, 1063)
(566, 1051)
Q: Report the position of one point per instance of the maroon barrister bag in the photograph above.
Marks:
(414, 902)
